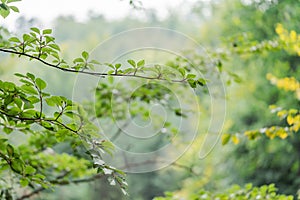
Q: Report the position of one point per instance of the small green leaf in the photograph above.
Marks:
(47, 31)
(14, 39)
(26, 81)
(190, 76)
(39, 176)
(47, 126)
(4, 10)
(10, 150)
(9, 86)
(40, 84)
(34, 29)
(31, 76)
(20, 75)
(26, 37)
(11, 1)
(110, 65)
(33, 99)
(54, 100)
(192, 83)
(78, 60)
(219, 65)
(54, 46)
(17, 165)
(85, 55)
(225, 138)
(118, 65)
(29, 89)
(18, 102)
(182, 71)
(132, 63)
(49, 38)
(201, 81)
(24, 182)
(128, 71)
(29, 170)
(141, 63)
(178, 112)
(14, 8)
(110, 72)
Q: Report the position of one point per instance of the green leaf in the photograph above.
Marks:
(201, 81)
(129, 70)
(7, 130)
(85, 55)
(20, 75)
(225, 138)
(31, 76)
(190, 76)
(10, 150)
(14, 8)
(182, 71)
(17, 165)
(54, 46)
(24, 182)
(178, 112)
(141, 63)
(47, 31)
(40, 84)
(118, 65)
(49, 39)
(33, 99)
(14, 39)
(26, 82)
(4, 10)
(54, 100)
(78, 60)
(11, 1)
(39, 176)
(192, 83)
(9, 86)
(26, 37)
(47, 126)
(30, 114)
(219, 65)
(132, 63)
(29, 170)
(110, 65)
(18, 102)
(29, 89)
(34, 29)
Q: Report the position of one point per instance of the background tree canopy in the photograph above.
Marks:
(141, 115)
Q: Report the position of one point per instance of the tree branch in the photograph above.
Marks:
(61, 183)
(98, 74)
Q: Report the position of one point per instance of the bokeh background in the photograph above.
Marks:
(214, 24)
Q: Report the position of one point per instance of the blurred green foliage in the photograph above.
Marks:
(243, 40)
